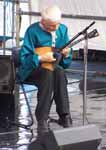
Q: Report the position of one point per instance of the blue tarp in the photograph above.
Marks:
(5, 38)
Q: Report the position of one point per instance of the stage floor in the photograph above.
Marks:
(16, 138)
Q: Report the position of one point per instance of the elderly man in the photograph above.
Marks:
(37, 65)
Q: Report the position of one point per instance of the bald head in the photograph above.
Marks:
(52, 13)
(51, 18)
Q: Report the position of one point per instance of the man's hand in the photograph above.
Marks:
(65, 52)
(48, 57)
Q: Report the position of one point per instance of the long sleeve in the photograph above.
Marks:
(66, 61)
(28, 58)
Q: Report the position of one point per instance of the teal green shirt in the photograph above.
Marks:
(36, 36)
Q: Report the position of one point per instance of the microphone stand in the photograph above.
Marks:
(76, 36)
(56, 55)
(85, 77)
(84, 32)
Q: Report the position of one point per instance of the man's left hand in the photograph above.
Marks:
(65, 52)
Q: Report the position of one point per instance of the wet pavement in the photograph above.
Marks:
(14, 137)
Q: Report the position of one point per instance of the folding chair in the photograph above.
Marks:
(15, 58)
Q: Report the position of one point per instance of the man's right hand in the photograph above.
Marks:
(48, 57)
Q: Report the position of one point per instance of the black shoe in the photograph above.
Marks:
(65, 121)
(42, 127)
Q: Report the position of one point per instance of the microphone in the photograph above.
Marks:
(93, 33)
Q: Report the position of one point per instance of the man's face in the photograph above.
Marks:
(50, 25)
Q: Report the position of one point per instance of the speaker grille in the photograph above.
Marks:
(4, 68)
(6, 74)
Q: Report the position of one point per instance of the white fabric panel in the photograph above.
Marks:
(8, 19)
(78, 7)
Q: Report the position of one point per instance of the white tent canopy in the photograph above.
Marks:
(78, 7)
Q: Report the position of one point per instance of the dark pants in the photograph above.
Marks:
(52, 85)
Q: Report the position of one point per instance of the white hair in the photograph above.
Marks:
(52, 13)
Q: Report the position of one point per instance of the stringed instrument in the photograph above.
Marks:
(57, 52)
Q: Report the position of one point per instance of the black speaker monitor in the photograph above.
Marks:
(6, 74)
(85, 137)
